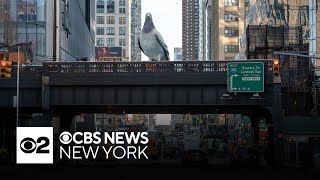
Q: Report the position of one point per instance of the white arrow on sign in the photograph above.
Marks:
(231, 81)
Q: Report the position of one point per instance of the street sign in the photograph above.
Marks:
(245, 77)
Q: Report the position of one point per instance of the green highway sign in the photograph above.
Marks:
(245, 77)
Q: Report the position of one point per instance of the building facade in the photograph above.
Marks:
(228, 20)
(208, 30)
(113, 39)
(49, 30)
(193, 29)
(135, 29)
(178, 54)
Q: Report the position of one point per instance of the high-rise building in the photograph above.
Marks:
(178, 54)
(228, 22)
(48, 30)
(113, 40)
(208, 29)
(135, 29)
(192, 29)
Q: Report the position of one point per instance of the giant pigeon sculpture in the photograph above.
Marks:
(151, 42)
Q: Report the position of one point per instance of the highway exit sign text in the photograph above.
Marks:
(245, 77)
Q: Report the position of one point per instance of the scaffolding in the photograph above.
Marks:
(296, 72)
(296, 79)
(288, 26)
(263, 40)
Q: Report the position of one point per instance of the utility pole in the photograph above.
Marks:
(18, 83)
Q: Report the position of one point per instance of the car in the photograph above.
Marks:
(195, 157)
(245, 155)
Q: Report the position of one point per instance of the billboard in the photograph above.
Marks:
(105, 52)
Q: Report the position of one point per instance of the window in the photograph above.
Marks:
(122, 20)
(110, 19)
(26, 9)
(229, 58)
(100, 6)
(110, 6)
(110, 41)
(122, 10)
(110, 31)
(123, 52)
(122, 30)
(100, 31)
(230, 2)
(231, 48)
(100, 41)
(100, 19)
(231, 31)
(228, 17)
(122, 42)
(122, 3)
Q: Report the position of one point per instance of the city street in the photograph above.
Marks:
(154, 172)
(161, 89)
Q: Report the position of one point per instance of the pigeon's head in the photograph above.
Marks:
(148, 23)
(148, 16)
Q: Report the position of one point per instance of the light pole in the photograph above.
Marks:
(18, 83)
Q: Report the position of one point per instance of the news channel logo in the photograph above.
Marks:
(34, 145)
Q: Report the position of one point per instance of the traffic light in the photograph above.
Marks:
(276, 71)
(5, 69)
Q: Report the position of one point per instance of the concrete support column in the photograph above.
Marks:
(276, 115)
(46, 119)
(65, 122)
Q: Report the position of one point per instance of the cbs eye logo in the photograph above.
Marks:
(65, 138)
(29, 145)
(34, 145)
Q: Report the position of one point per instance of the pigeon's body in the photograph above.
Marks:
(151, 42)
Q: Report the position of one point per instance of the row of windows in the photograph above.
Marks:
(111, 10)
(229, 16)
(111, 2)
(110, 20)
(231, 2)
(231, 48)
(231, 31)
(110, 6)
(110, 42)
(110, 31)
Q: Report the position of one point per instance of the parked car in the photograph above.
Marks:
(245, 155)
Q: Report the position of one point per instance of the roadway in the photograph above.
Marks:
(151, 172)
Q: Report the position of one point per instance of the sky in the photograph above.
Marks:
(167, 18)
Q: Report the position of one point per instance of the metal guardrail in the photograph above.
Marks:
(130, 67)
(142, 67)
(28, 71)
